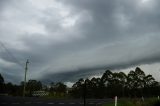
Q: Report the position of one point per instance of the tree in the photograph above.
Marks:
(107, 76)
(14, 90)
(134, 84)
(1, 79)
(140, 75)
(52, 86)
(60, 87)
(95, 87)
(77, 89)
(119, 81)
(150, 85)
(2, 85)
(33, 85)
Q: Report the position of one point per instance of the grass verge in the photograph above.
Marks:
(136, 102)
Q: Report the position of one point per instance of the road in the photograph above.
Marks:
(30, 101)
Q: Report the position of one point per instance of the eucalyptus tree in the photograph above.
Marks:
(2, 85)
(77, 89)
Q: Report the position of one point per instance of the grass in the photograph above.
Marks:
(136, 102)
(121, 103)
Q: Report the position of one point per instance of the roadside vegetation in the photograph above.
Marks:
(136, 102)
(135, 84)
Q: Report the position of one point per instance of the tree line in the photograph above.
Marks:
(134, 84)
(56, 89)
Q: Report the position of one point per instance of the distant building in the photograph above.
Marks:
(40, 93)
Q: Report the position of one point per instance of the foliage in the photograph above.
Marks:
(2, 86)
(1, 79)
(33, 85)
(135, 84)
(110, 84)
(57, 90)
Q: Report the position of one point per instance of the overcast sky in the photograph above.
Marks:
(65, 40)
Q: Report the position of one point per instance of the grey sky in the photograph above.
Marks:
(68, 39)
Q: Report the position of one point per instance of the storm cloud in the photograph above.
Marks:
(68, 39)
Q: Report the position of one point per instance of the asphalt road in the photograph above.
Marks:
(20, 101)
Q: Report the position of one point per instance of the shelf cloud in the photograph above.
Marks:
(65, 40)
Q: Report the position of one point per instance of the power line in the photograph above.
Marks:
(10, 54)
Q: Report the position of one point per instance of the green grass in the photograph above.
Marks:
(121, 103)
(136, 102)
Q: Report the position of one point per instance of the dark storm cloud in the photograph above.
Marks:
(114, 19)
(130, 59)
(77, 38)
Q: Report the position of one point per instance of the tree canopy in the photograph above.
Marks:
(134, 84)
(1, 79)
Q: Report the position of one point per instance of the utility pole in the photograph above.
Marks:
(26, 68)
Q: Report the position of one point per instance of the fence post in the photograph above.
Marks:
(142, 98)
(115, 100)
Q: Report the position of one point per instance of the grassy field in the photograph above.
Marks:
(136, 102)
